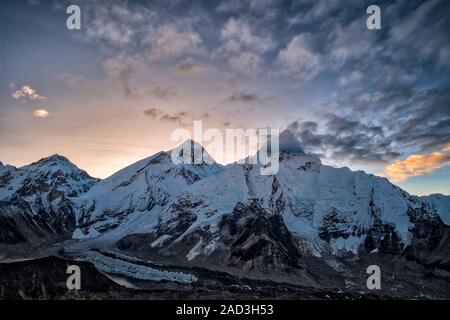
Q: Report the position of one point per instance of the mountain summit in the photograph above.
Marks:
(134, 197)
(35, 200)
(190, 152)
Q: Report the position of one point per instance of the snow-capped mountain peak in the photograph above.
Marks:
(35, 202)
(190, 152)
(54, 173)
(135, 196)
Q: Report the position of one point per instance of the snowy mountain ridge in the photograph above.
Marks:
(35, 200)
(193, 210)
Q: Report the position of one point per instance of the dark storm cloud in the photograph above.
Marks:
(414, 117)
(429, 125)
(341, 138)
(409, 120)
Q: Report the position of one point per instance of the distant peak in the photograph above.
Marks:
(189, 143)
(192, 152)
(1, 164)
(55, 157)
(54, 160)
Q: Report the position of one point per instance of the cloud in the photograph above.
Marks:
(105, 28)
(239, 5)
(237, 36)
(205, 115)
(247, 63)
(152, 112)
(312, 14)
(417, 118)
(416, 165)
(27, 93)
(342, 139)
(158, 114)
(182, 118)
(72, 81)
(263, 9)
(299, 60)
(41, 113)
(243, 47)
(121, 68)
(117, 24)
(415, 31)
(173, 40)
(188, 67)
(350, 78)
(128, 70)
(243, 97)
(163, 92)
(352, 42)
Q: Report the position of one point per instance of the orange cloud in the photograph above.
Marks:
(416, 165)
(447, 148)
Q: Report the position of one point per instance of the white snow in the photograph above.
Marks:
(441, 204)
(195, 251)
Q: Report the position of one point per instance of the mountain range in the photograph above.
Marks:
(155, 222)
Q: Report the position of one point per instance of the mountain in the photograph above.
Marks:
(256, 223)
(36, 200)
(309, 224)
(253, 221)
(134, 197)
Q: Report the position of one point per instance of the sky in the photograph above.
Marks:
(113, 92)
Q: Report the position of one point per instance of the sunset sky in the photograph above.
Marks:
(113, 92)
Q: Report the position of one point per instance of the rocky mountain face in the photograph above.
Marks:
(36, 203)
(306, 221)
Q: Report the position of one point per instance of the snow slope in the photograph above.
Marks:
(441, 204)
